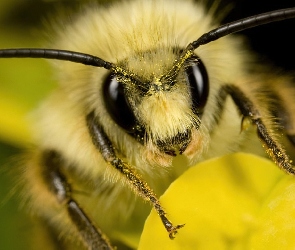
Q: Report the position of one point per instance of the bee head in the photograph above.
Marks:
(159, 103)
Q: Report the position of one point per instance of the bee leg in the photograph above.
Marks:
(57, 183)
(105, 147)
(248, 109)
(284, 111)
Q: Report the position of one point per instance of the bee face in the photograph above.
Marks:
(178, 99)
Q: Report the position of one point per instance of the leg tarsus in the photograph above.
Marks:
(274, 149)
(141, 188)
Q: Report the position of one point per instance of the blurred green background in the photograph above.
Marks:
(24, 82)
(22, 85)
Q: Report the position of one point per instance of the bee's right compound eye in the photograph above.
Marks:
(116, 103)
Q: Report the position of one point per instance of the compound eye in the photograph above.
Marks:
(116, 103)
(198, 82)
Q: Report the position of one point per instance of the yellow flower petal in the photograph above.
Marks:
(238, 201)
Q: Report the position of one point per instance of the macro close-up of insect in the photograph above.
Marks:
(140, 94)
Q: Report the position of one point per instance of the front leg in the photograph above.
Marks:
(57, 183)
(104, 145)
(265, 134)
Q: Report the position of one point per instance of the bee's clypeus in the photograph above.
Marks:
(142, 83)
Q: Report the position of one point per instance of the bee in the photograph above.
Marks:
(146, 90)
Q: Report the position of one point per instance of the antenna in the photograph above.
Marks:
(64, 55)
(243, 24)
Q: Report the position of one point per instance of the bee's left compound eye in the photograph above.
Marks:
(197, 79)
(116, 103)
